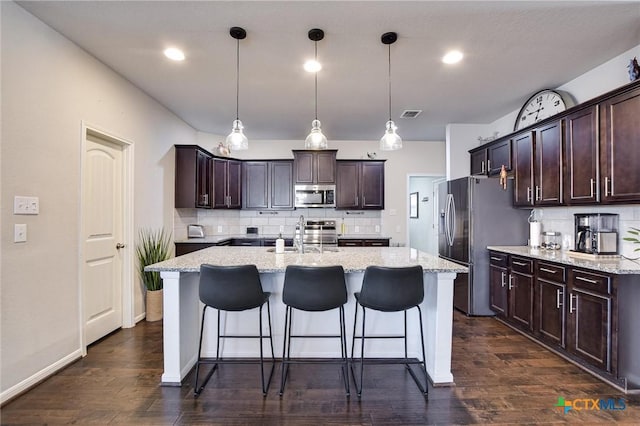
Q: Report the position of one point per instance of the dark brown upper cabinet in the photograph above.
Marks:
(227, 183)
(267, 185)
(194, 177)
(619, 147)
(581, 157)
(360, 185)
(489, 159)
(548, 165)
(523, 169)
(314, 167)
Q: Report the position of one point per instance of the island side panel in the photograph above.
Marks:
(437, 311)
(180, 325)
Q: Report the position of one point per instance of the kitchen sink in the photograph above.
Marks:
(286, 250)
(308, 249)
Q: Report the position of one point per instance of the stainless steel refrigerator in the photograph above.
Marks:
(475, 213)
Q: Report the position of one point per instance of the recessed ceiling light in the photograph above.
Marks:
(174, 54)
(312, 66)
(452, 57)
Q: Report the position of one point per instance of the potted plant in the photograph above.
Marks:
(153, 247)
(634, 238)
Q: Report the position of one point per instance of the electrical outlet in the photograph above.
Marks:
(377, 228)
(281, 228)
(398, 228)
(219, 229)
(356, 229)
(20, 233)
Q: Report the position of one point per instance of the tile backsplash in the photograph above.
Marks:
(235, 222)
(561, 219)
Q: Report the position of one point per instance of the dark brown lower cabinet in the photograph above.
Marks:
(498, 276)
(521, 292)
(367, 242)
(550, 305)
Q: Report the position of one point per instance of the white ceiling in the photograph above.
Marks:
(512, 49)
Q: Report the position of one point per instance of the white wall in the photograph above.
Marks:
(49, 87)
(423, 230)
(413, 158)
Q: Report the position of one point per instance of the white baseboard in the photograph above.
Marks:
(140, 317)
(41, 375)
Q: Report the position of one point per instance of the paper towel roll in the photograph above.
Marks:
(534, 234)
(279, 245)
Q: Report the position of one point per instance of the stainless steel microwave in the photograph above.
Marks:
(315, 195)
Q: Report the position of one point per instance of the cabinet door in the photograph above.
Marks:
(372, 185)
(498, 290)
(521, 300)
(219, 183)
(581, 157)
(234, 184)
(620, 145)
(255, 177)
(347, 185)
(498, 155)
(203, 180)
(548, 166)
(303, 167)
(551, 312)
(193, 178)
(326, 167)
(590, 316)
(523, 163)
(479, 162)
(281, 196)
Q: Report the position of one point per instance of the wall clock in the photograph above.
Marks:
(541, 105)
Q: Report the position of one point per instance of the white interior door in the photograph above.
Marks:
(102, 236)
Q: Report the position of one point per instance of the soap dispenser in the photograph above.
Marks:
(280, 244)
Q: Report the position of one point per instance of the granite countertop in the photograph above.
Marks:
(353, 259)
(618, 265)
(215, 239)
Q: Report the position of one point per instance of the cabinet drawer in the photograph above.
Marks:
(376, 243)
(522, 265)
(350, 243)
(498, 259)
(591, 281)
(551, 272)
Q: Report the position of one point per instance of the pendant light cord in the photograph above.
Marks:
(315, 43)
(237, 78)
(389, 45)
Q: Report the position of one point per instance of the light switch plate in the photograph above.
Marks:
(356, 229)
(26, 205)
(377, 228)
(20, 233)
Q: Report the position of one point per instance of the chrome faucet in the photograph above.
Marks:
(298, 240)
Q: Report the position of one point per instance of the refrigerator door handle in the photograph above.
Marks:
(453, 219)
(447, 220)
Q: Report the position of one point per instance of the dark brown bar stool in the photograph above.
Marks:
(387, 289)
(314, 289)
(233, 288)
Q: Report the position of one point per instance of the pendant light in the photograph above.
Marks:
(237, 140)
(391, 140)
(316, 140)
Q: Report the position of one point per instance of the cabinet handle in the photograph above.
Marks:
(606, 186)
(518, 263)
(510, 281)
(558, 296)
(496, 258)
(356, 200)
(551, 271)
(482, 167)
(503, 278)
(205, 197)
(586, 280)
(538, 193)
(571, 308)
(528, 194)
(488, 166)
(592, 185)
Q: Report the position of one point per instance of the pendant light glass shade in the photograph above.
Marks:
(390, 141)
(316, 139)
(237, 141)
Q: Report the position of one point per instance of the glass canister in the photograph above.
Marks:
(551, 240)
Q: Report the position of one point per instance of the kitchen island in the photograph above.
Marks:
(182, 309)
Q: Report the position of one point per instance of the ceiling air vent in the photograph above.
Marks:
(410, 113)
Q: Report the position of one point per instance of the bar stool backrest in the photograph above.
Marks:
(392, 289)
(314, 288)
(231, 288)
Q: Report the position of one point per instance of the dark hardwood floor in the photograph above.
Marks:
(501, 378)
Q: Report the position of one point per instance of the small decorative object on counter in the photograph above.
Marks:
(634, 69)
(372, 155)
(551, 240)
(223, 150)
(280, 244)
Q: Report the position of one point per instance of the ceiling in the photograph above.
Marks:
(512, 49)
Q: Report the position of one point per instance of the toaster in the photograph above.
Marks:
(195, 231)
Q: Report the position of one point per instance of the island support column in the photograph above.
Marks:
(180, 325)
(438, 325)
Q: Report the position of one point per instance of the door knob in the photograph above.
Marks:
(119, 246)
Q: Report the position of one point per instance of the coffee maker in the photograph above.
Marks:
(596, 233)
